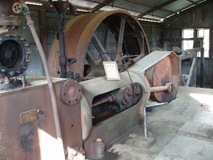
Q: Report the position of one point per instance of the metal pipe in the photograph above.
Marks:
(30, 23)
(63, 59)
(161, 88)
(191, 71)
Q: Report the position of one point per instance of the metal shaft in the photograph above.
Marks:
(158, 89)
(63, 59)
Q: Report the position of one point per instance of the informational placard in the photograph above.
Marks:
(111, 70)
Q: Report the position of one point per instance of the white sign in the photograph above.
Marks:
(111, 70)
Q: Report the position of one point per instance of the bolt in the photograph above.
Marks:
(3, 70)
(74, 153)
(39, 111)
(12, 73)
(173, 87)
(98, 140)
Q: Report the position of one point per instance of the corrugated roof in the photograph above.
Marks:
(152, 9)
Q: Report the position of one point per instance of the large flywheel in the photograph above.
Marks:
(97, 37)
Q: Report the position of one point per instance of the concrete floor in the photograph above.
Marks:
(174, 141)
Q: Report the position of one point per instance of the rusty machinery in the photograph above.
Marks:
(93, 112)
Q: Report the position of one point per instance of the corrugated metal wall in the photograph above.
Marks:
(153, 33)
(35, 67)
(198, 18)
(52, 26)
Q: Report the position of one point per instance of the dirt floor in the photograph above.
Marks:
(183, 130)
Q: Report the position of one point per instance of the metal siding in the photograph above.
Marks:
(198, 18)
(178, 5)
(152, 2)
(153, 34)
(52, 26)
(161, 13)
(35, 67)
(208, 76)
(129, 5)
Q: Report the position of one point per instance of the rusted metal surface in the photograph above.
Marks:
(99, 149)
(5, 14)
(86, 118)
(6, 7)
(37, 139)
(118, 124)
(112, 129)
(165, 71)
(80, 31)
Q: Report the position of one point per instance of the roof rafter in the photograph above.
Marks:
(147, 5)
(129, 9)
(187, 10)
(100, 5)
(191, 1)
(156, 8)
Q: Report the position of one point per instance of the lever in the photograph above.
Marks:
(70, 61)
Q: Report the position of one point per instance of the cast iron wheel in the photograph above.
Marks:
(88, 38)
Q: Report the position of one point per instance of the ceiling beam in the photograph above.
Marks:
(147, 5)
(191, 1)
(156, 8)
(100, 5)
(186, 11)
(129, 9)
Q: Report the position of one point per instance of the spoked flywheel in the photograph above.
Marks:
(97, 37)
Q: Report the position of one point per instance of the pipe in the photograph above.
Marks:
(63, 58)
(30, 23)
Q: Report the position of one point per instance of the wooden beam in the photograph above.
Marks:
(156, 8)
(186, 11)
(100, 5)
(147, 5)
